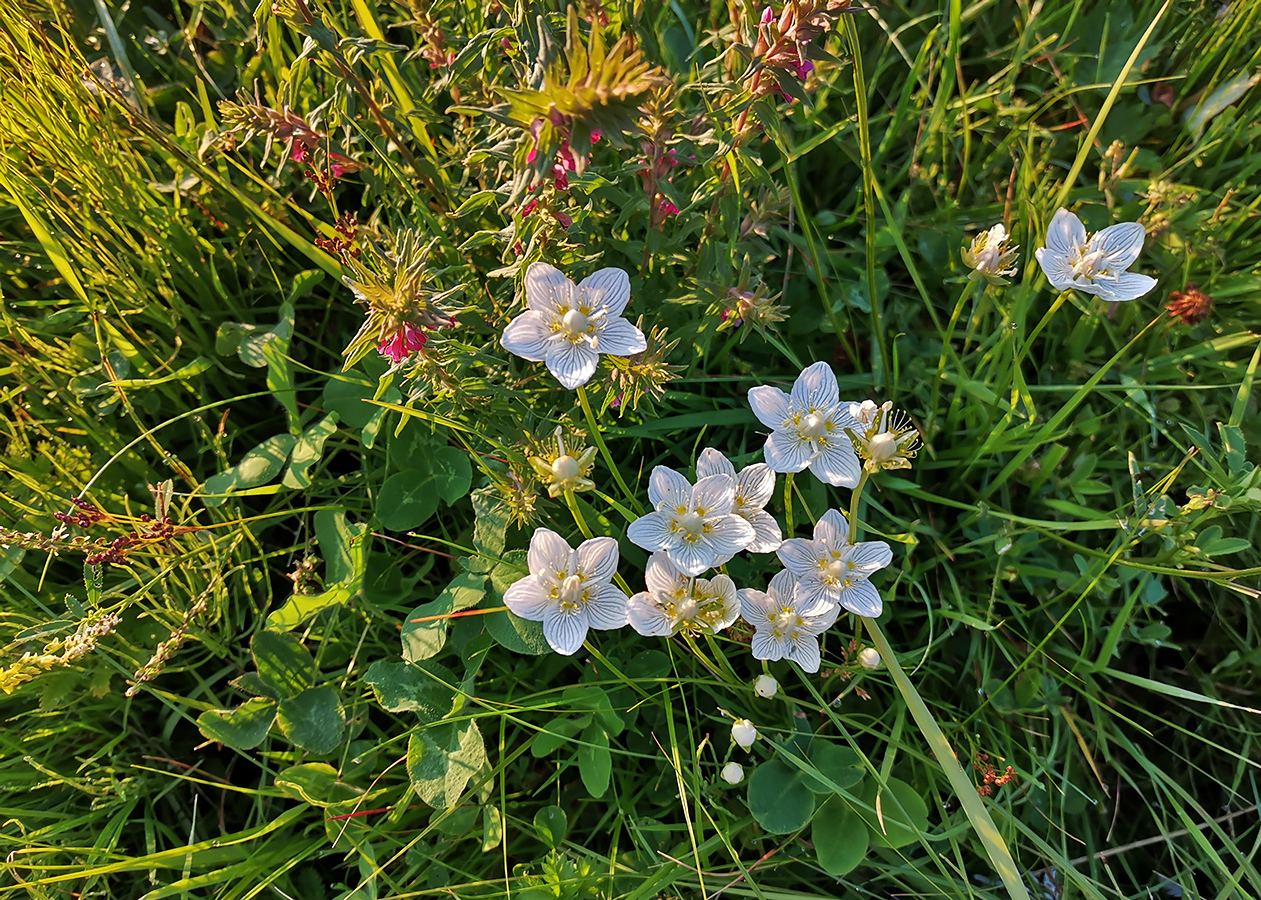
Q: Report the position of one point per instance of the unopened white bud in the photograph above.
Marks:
(765, 686)
(744, 733)
(869, 658)
(733, 773)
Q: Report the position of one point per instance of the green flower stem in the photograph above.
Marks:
(1037, 330)
(788, 503)
(855, 499)
(572, 502)
(721, 659)
(598, 437)
(964, 789)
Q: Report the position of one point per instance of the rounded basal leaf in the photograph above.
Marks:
(595, 762)
(451, 472)
(422, 687)
(839, 836)
(778, 797)
(313, 720)
(839, 768)
(425, 629)
(242, 728)
(441, 759)
(903, 816)
(552, 824)
(516, 634)
(283, 663)
(256, 467)
(317, 784)
(407, 500)
(349, 399)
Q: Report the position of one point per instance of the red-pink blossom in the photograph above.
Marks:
(402, 342)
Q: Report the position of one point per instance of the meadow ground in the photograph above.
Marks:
(271, 469)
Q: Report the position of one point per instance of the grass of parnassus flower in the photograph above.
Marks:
(1074, 580)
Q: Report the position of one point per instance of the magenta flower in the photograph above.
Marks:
(397, 347)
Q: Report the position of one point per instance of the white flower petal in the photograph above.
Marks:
(782, 587)
(1066, 234)
(667, 489)
(606, 289)
(812, 596)
(770, 405)
(804, 651)
(1120, 244)
(722, 587)
(528, 598)
(527, 337)
(799, 556)
(766, 646)
(1056, 267)
(711, 462)
(786, 452)
(766, 534)
(831, 529)
(547, 289)
(663, 576)
(728, 536)
(693, 558)
(647, 617)
(652, 532)
(757, 608)
(838, 464)
(820, 620)
(714, 495)
(1128, 286)
(597, 559)
(549, 554)
(755, 483)
(564, 631)
(606, 608)
(870, 556)
(815, 388)
(861, 598)
(618, 337)
(572, 364)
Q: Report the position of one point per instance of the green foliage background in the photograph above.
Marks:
(1074, 592)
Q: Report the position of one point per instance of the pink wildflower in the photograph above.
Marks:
(402, 343)
(300, 153)
(565, 220)
(803, 68)
(529, 207)
(595, 135)
(666, 208)
(768, 16)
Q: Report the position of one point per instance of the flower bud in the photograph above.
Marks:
(870, 658)
(765, 686)
(743, 733)
(733, 773)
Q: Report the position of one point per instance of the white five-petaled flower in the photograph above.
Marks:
(990, 257)
(677, 602)
(1096, 264)
(830, 571)
(754, 486)
(568, 590)
(694, 526)
(788, 623)
(808, 427)
(567, 326)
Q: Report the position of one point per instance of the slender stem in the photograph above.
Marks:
(572, 502)
(788, 503)
(598, 437)
(854, 499)
(1028, 345)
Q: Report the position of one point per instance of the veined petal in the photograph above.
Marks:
(548, 554)
(787, 452)
(528, 598)
(1128, 286)
(804, 651)
(663, 576)
(693, 558)
(799, 555)
(815, 388)
(711, 462)
(766, 534)
(597, 559)
(832, 529)
(564, 631)
(714, 495)
(527, 336)
(812, 595)
(606, 608)
(606, 289)
(782, 587)
(653, 532)
(766, 646)
(838, 464)
(647, 617)
(755, 483)
(820, 620)
(1056, 267)
(728, 536)
(721, 587)
(572, 364)
(1120, 244)
(668, 489)
(756, 607)
(1066, 234)
(870, 556)
(547, 289)
(617, 337)
(770, 405)
(861, 598)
